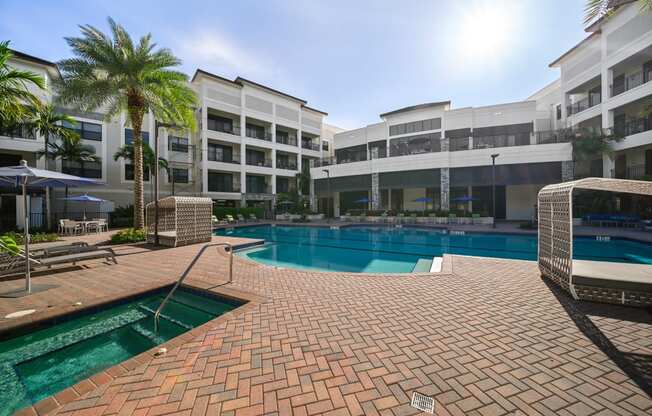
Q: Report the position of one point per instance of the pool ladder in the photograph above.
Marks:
(229, 247)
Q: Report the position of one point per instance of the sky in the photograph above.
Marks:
(353, 59)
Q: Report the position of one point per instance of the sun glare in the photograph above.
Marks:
(487, 31)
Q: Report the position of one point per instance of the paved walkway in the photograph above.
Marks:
(488, 338)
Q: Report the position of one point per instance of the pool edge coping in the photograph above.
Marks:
(90, 384)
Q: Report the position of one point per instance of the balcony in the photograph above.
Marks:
(225, 188)
(310, 145)
(18, 132)
(222, 127)
(553, 136)
(325, 161)
(217, 157)
(286, 164)
(630, 172)
(592, 100)
(504, 140)
(265, 163)
(258, 189)
(633, 126)
(626, 83)
(457, 144)
(289, 140)
(254, 133)
(324, 146)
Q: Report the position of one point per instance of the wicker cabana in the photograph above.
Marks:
(621, 283)
(181, 220)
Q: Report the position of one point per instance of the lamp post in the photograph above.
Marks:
(493, 187)
(328, 203)
(157, 125)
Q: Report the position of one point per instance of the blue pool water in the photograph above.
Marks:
(41, 363)
(397, 250)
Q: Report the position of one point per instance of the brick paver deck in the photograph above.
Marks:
(488, 338)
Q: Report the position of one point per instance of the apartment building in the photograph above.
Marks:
(250, 143)
(254, 140)
(436, 157)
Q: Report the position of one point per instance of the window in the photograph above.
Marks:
(219, 153)
(558, 111)
(222, 124)
(415, 126)
(180, 175)
(84, 169)
(424, 143)
(220, 182)
(87, 131)
(129, 173)
(129, 136)
(178, 144)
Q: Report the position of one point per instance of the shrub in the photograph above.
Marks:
(122, 216)
(39, 237)
(9, 245)
(222, 212)
(130, 235)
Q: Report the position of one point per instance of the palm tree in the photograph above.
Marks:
(49, 123)
(126, 152)
(113, 73)
(595, 9)
(70, 148)
(14, 94)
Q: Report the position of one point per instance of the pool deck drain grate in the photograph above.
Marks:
(423, 403)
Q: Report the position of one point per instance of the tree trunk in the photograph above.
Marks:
(48, 207)
(136, 112)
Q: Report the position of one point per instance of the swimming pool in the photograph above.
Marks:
(42, 363)
(399, 250)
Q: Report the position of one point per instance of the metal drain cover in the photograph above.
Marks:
(423, 403)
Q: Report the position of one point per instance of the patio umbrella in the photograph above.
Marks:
(362, 201)
(465, 198)
(24, 176)
(425, 200)
(84, 198)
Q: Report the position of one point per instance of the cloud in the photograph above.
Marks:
(215, 52)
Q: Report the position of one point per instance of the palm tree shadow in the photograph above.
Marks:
(638, 367)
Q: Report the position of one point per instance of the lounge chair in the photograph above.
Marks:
(57, 255)
(74, 257)
(229, 218)
(452, 219)
(253, 217)
(241, 218)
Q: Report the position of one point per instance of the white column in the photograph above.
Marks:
(203, 145)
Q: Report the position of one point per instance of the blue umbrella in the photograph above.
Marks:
(24, 176)
(465, 199)
(425, 200)
(362, 201)
(84, 198)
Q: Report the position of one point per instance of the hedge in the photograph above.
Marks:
(221, 212)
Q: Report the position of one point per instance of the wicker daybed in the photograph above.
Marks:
(181, 221)
(620, 283)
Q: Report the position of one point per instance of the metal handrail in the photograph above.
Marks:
(185, 274)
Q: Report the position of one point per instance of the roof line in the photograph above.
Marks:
(208, 74)
(586, 39)
(416, 107)
(31, 58)
(315, 110)
(240, 80)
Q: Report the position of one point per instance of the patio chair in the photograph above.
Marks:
(229, 219)
(475, 219)
(241, 218)
(72, 227)
(102, 224)
(452, 219)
